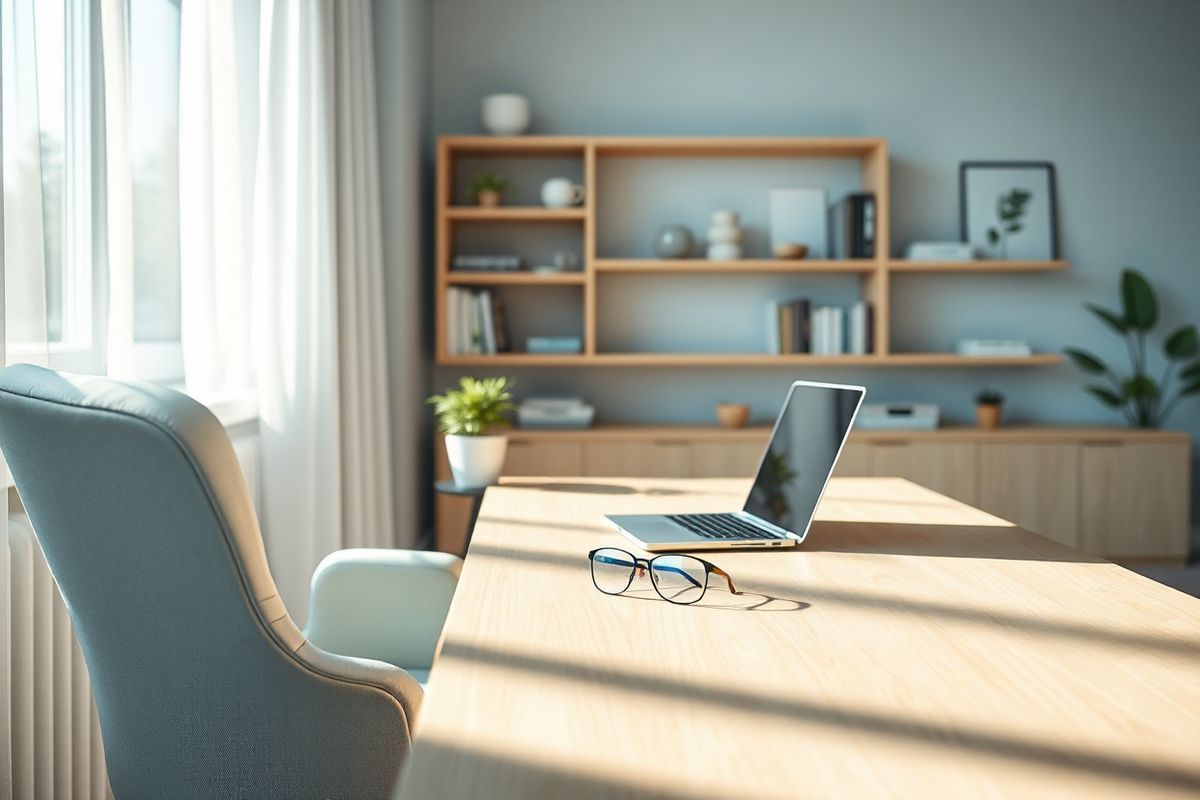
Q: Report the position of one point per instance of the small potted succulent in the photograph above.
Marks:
(467, 415)
(487, 189)
(988, 405)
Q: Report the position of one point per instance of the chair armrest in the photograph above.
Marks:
(387, 605)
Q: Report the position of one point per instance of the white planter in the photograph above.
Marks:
(505, 114)
(476, 460)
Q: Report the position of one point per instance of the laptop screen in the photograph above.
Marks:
(803, 450)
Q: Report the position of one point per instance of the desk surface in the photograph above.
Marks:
(913, 646)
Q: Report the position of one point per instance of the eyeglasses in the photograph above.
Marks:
(677, 578)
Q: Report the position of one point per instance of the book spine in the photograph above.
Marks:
(489, 323)
(774, 345)
(804, 317)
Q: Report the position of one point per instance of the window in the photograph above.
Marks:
(47, 187)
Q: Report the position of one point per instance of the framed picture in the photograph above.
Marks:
(1008, 209)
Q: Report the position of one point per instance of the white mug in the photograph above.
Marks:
(561, 192)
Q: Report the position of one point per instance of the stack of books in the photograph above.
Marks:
(555, 412)
(797, 326)
(486, 263)
(994, 347)
(554, 344)
(476, 322)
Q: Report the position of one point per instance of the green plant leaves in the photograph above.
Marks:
(1085, 360)
(1140, 303)
(1140, 387)
(1191, 373)
(473, 407)
(1191, 388)
(1182, 344)
(1106, 396)
(1112, 318)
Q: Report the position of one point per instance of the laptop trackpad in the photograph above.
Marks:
(651, 528)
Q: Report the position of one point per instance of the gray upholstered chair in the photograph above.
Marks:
(204, 685)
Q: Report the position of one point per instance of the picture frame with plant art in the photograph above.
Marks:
(1144, 401)
(1008, 209)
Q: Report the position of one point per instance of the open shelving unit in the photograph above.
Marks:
(874, 275)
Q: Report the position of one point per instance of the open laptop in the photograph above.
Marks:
(804, 448)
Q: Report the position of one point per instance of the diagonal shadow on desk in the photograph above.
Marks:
(871, 722)
(885, 604)
(941, 541)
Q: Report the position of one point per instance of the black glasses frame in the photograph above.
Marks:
(637, 564)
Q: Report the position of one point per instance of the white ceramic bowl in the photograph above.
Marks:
(505, 114)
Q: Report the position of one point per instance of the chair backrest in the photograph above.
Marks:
(204, 686)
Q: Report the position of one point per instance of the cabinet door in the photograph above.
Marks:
(1134, 499)
(855, 461)
(948, 468)
(552, 459)
(726, 459)
(637, 459)
(1035, 486)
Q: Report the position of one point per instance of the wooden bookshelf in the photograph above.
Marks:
(979, 267)
(518, 278)
(696, 266)
(515, 214)
(874, 275)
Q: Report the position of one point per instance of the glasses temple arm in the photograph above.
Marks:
(718, 571)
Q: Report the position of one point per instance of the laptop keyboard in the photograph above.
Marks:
(721, 526)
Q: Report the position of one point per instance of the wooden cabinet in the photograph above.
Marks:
(1032, 484)
(1134, 499)
(1110, 492)
(554, 458)
(634, 459)
(947, 467)
(738, 459)
(855, 461)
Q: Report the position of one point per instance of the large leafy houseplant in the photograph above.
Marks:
(1144, 401)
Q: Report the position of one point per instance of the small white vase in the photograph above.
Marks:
(476, 460)
(505, 114)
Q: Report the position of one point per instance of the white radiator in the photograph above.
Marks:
(54, 745)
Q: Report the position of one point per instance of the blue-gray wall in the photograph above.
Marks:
(1106, 89)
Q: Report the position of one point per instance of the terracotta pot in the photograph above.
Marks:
(732, 415)
(988, 415)
(489, 199)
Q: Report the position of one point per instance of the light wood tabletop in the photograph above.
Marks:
(912, 647)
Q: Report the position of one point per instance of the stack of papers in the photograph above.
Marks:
(994, 347)
(555, 412)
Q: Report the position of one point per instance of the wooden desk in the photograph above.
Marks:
(914, 646)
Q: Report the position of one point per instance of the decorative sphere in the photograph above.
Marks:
(673, 241)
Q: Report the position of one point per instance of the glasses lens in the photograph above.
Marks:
(680, 579)
(612, 570)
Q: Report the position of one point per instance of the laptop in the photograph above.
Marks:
(805, 444)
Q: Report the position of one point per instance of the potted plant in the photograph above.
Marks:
(487, 188)
(988, 405)
(466, 415)
(1144, 401)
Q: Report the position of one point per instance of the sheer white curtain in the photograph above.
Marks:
(312, 282)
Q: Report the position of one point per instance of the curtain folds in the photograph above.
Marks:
(215, 198)
(300, 277)
(367, 482)
(118, 199)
